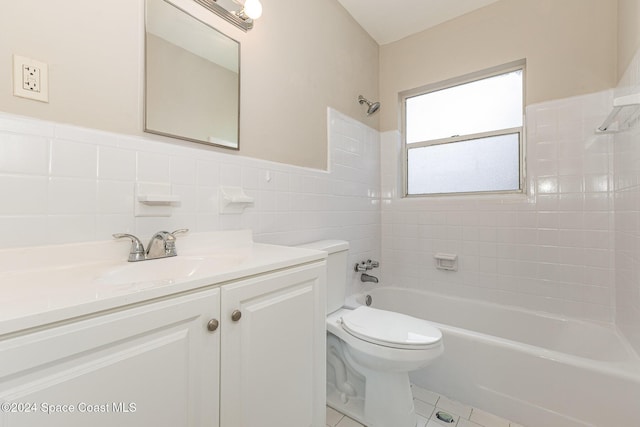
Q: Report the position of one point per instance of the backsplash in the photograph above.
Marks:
(549, 250)
(64, 184)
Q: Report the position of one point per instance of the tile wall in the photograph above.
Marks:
(62, 184)
(627, 215)
(549, 250)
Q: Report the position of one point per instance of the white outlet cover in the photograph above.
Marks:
(30, 79)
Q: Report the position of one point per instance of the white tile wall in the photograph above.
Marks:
(549, 250)
(62, 184)
(627, 216)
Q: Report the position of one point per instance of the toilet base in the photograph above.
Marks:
(389, 402)
(353, 408)
(373, 398)
(375, 414)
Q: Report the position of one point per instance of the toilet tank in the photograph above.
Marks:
(337, 258)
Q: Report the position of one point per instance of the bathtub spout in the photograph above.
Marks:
(364, 277)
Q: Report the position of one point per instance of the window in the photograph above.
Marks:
(465, 135)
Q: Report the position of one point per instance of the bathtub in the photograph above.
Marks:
(533, 368)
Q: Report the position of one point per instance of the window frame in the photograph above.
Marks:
(450, 83)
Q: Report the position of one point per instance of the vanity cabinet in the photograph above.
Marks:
(185, 360)
(273, 354)
(151, 365)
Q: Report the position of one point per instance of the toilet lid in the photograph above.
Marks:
(390, 329)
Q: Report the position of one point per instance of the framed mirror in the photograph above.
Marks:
(192, 78)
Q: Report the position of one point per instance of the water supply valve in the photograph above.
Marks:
(366, 266)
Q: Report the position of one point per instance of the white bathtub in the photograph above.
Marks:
(529, 367)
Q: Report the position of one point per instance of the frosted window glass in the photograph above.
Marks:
(485, 164)
(480, 106)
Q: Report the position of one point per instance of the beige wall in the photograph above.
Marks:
(294, 64)
(569, 45)
(93, 50)
(628, 33)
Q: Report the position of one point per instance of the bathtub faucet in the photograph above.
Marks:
(366, 266)
(364, 277)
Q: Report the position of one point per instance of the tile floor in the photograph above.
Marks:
(427, 405)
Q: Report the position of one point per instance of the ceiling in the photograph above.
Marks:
(391, 20)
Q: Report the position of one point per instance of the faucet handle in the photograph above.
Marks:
(366, 266)
(136, 253)
(170, 242)
(179, 231)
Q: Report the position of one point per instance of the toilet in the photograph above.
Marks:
(370, 352)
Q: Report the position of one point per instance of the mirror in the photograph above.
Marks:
(192, 78)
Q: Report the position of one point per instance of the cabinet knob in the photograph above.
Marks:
(236, 315)
(212, 325)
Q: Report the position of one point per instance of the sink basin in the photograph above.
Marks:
(163, 270)
(170, 270)
(46, 284)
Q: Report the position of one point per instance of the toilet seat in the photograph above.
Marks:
(390, 329)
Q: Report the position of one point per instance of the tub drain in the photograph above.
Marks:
(443, 416)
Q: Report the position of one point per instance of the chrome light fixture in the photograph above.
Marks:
(240, 13)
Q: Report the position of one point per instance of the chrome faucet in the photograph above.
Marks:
(137, 248)
(364, 277)
(161, 245)
(366, 266)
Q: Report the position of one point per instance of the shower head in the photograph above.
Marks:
(373, 106)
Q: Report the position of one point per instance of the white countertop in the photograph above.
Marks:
(43, 285)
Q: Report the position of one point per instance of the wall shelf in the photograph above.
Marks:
(446, 261)
(158, 199)
(618, 121)
(233, 200)
(154, 199)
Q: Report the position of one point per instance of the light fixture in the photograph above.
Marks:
(252, 8)
(240, 13)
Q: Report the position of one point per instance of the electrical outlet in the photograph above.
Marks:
(30, 79)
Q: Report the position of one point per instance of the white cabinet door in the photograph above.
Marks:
(273, 369)
(151, 365)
